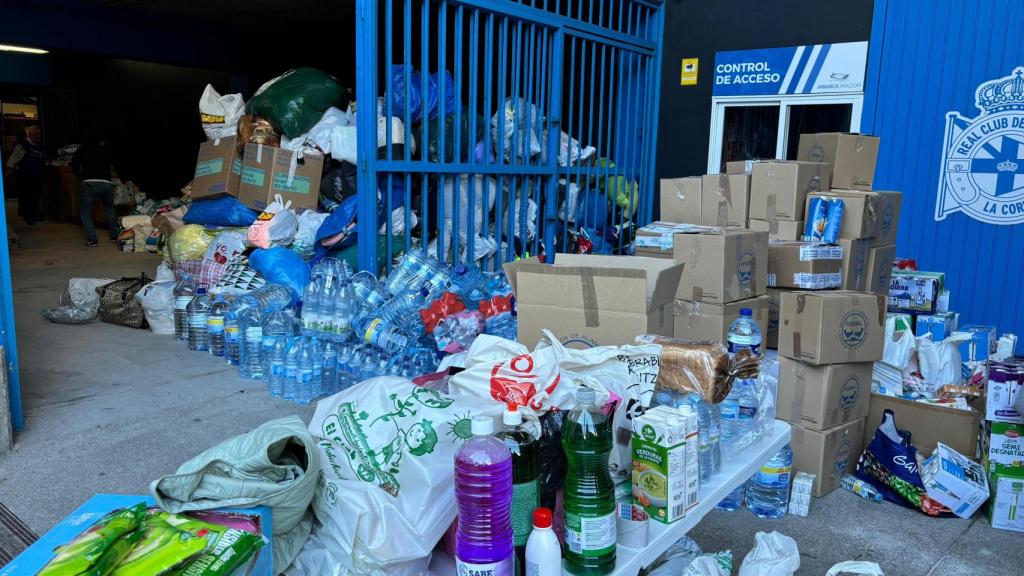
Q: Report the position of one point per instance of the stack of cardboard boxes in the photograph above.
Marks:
(1003, 447)
(257, 174)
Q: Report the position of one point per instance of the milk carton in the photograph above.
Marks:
(1006, 508)
(955, 481)
(665, 474)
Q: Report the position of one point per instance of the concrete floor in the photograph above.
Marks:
(110, 409)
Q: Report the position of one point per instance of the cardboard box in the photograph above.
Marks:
(774, 305)
(655, 240)
(780, 230)
(955, 481)
(822, 397)
(981, 345)
(1006, 498)
(268, 171)
(804, 265)
(589, 300)
(725, 200)
(722, 266)
(860, 212)
(703, 321)
(888, 219)
(680, 200)
(778, 190)
(832, 327)
(940, 325)
(32, 559)
(851, 157)
(218, 170)
(665, 464)
(915, 291)
(741, 166)
(879, 268)
(930, 423)
(1003, 445)
(856, 256)
(828, 454)
(1004, 386)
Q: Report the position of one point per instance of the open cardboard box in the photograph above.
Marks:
(590, 300)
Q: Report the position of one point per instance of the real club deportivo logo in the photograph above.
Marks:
(983, 157)
(853, 328)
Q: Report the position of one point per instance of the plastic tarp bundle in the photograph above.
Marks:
(226, 211)
(296, 100)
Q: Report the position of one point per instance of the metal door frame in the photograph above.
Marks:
(8, 336)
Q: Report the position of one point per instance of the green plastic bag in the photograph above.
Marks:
(87, 551)
(296, 100)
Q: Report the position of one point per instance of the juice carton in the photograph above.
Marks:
(665, 474)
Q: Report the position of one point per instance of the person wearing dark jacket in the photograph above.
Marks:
(91, 164)
(27, 166)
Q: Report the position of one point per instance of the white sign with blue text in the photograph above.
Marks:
(983, 157)
(817, 69)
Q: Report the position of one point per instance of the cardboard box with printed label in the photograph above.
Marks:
(680, 200)
(880, 260)
(940, 325)
(822, 397)
(1006, 499)
(722, 266)
(725, 200)
(1002, 445)
(780, 230)
(955, 481)
(655, 239)
(860, 212)
(804, 265)
(589, 300)
(666, 477)
(778, 190)
(774, 305)
(699, 321)
(828, 454)
(851, 157)
(914, 291)
(218, 170)
(269, 171)
(888, 217)
(930, 423)
(832, 327)
(856, 254)
(1005, 384)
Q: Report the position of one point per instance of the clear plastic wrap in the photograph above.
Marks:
(701, 367)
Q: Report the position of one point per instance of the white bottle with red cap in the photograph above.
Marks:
(543, 552)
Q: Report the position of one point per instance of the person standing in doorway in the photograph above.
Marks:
(91, 164)
(26, 165)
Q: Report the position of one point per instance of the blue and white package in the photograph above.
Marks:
(817, 217)
(834, 222)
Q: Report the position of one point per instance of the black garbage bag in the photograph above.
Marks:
(337, 184)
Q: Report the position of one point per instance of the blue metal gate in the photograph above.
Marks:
(505, 127)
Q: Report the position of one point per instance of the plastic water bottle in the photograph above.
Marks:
(716, 437)
(232, 336)
(311, 308)
(525, 451)
(184, 292)
(198, 310)
(276, 325)
(466, 279)
(276, 379)
(250, 360)
(403, 311)
(705, 460)
(367, 290)
(861, 488)
(589, 493)
(270, 297)
(316, 388)
(304, 376)
(388, 338)
(768, 490)
(344, 313)
(329, 379)
(215, 325)
(412, 271)
(328, 294)
(483, 493)
(744, 333)
(733, 500)
(291, 369)
(738, 417)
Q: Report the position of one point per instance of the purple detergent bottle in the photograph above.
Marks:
(483, 491)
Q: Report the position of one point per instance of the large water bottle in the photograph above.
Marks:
(250, 360)
(344, 374)
(232, 331)
(184, 292)
(276, 379)
(744, 333)
(198, 310)
(483, 493)
(739, 409)
(733, 500)
(215, 325)
(467, 280)
(270, 297)
(317, 350)
(276, 325)
(389, 339)
(368, 291)
(716, 437)
(329, 379)
(589, 493)
(291, 369)
(344, 313)
(311, 308)
(412, 271)
(304, 376)
(768, 490)
(705, 459)
(403, 311)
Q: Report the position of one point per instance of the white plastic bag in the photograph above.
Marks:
(520, 120)
(484, 190)
(83, 291)
(320, 137)
(220, 114)
(157, 301)
(516, 211)
(276, 226)
(900, 344)
(385, 498)
(855, 567)
(940, 362)
(305, 235)
(226, 248)
(774, 554)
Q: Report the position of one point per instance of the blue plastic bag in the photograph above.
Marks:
(226, 211)
(281, 265)
(396, 93)
(338, 230)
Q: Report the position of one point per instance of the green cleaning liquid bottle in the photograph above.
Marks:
(525, 479)
(589, 493)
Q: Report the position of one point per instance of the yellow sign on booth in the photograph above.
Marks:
(688, 76)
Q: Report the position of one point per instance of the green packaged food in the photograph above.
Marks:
(84, 552)
(227, 548)
(115, 554)
(162, 549)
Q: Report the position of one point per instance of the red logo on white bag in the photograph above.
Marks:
(515, 381)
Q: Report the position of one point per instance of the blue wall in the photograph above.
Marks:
(927, 57)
